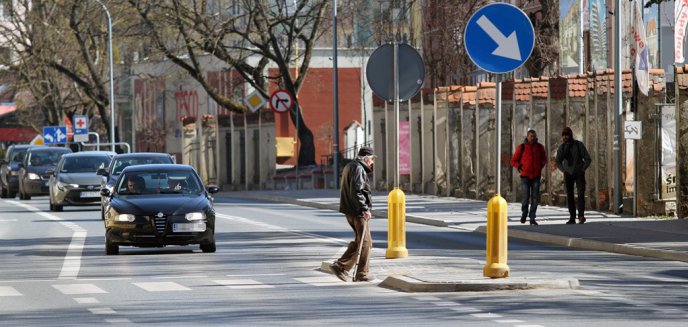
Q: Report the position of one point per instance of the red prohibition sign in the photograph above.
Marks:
(281, 101)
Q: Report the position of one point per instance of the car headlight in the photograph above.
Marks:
(62, 185)
(125, 217)
(33, 176)
(194, 216)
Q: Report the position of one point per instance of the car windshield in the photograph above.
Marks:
(159, 182)
(18, 155)
(44, 158)
(83, 164)
(120, 163)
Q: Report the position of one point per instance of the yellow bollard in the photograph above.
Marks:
(396, 218)
(497, 239)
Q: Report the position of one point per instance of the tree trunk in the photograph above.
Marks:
(306, 142)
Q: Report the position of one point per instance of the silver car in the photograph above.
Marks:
(74, 181)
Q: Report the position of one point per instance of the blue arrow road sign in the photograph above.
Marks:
(499, 37)
(54, 134)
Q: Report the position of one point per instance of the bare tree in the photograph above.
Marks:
(249, 38)
(545, 53)
(60, 49)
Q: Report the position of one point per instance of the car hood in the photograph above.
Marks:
(168, 204)
(81, 178)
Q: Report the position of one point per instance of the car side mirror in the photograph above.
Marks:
(50, 172)
(212, 189)
(102, 172)
(105, 192)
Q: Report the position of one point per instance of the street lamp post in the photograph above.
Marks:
(112, 84)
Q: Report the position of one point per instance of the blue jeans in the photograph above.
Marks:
(530, 193)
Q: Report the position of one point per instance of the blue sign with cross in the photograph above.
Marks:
(80, 128)
(54, 134)
(499, 38)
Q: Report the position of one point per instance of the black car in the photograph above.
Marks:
(74, 181)
(121, 161)
(33, 171)
(159, 205)
(9, 169)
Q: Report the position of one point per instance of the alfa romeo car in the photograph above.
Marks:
(74, 180)
(159, 205)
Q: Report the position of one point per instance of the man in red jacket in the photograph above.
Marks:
(529, 159)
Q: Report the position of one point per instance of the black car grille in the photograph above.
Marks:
(160, 224)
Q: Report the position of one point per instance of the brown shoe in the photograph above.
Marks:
(339, 272)
(581, 220)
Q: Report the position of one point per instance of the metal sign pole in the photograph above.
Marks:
(498, 148)
(396, 113)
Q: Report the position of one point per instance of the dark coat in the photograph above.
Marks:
(529, 159)
(573, 157)
(355, 196)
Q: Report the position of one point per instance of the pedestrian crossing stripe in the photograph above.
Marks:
(162, 286)
(242, 283)
(9, 291)
(72, 289)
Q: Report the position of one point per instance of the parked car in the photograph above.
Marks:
(121, 161)
(33, 171)
(159, 205)
(74, 180)
(9, 169)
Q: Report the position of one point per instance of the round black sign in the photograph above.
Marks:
(380, 71)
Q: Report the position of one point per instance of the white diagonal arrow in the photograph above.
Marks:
(507, 47)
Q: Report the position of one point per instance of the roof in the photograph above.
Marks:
(49, 148)
(90, 153)
(142, 155)
(17, 134)
(156, 167)
(23, 146)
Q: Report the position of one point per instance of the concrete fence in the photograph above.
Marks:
(452, 135)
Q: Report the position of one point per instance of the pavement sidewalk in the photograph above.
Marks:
(658, 238)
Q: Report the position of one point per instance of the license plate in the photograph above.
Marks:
(90, 194)
(193, 227)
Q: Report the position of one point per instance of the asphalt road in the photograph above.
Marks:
(54, 273)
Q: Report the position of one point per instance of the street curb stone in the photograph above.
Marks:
(408, 283)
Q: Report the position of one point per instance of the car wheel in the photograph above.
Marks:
(111, 248)
(208, 247)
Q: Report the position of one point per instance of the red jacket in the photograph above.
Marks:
(529, 159)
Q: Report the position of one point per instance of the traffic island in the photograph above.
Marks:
(452, 283)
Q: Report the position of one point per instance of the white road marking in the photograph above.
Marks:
(72, 261)
(86, 300)
(466, 309)
(328, 280)
(445, 304)
(9, 291)
(230, 275)
(242, 283)
(508, 321)
(7, 220)
(118, 321)
(71, 289)
(102, 311)
(162, 286)
(427, 298)
(486, 315)
(179, 277)
(266, 226)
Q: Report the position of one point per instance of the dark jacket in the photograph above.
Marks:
(355, 195)
(529, 159)
(573, 157)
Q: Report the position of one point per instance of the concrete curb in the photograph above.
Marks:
(585, 244)
(407, 283)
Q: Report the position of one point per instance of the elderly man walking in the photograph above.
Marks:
(355, 202)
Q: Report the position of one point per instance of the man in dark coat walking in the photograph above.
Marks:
(573, 159)
(529, 158)
(355, 202)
